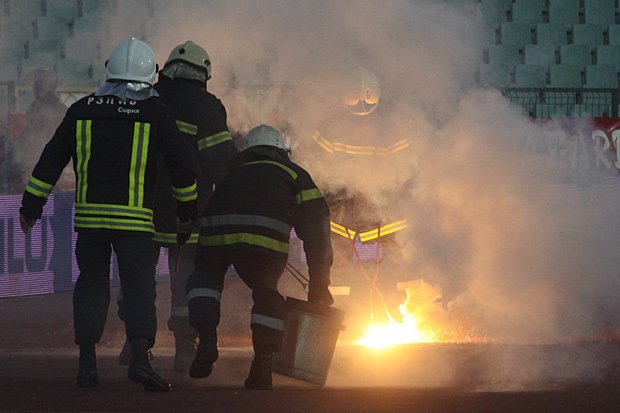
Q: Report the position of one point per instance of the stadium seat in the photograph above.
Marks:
(565, 76)
(61, 8)
(540, 54)
(601, 76)
(494, 11)
(588, 34)
(515, 34)
(501, 55)
(575, 54)
(614, 34)
(545, 110)
(76, 72)
(528, 11)
(494, 76)
(551, 34)
(530, 76)
(565, 12)
(608, 55)
(601, 12)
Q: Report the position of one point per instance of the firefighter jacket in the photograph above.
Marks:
(113, 144)
(264, 196)
(201, 118)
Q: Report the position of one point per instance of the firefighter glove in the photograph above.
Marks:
(184, 231)
(320, 295)
(26, 223)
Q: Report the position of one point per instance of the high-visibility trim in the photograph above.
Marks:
(288, 170)
(203, 293)
(39, 188)
(264, 320)
(109, 209)
(332, 147)
(243, 238)
(113, 223)
(82, 151)
(178, 311)
(139, 152)
(308, 195)
(383, 230)
(213, 140)
(187, 127)
(253, 220)
(171, 237)
(341, 290)
(340, 230)
(188, 193)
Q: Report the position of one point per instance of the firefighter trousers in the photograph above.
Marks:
(91, 295)
(260, 272)
(180, 266)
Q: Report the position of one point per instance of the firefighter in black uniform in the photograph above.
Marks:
(247, 223)
(202, 118)
(113, 137)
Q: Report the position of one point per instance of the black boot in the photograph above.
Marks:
(140, 370)
(124, 357)
(260, 373)
(206, 355)
(87, 371)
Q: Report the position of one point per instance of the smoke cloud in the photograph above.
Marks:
(524, 246)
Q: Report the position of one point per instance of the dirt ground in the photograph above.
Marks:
(38, 362)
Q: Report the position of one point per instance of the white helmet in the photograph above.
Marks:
(264, 135)
(363, 92)
(132, 60)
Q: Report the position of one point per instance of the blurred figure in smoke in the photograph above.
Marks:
(358, 143)
(42, 118)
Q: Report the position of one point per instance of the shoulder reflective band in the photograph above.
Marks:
(38, 188)
(139, 152)
(211, 141)
(244, 238)
(340, 230)
(111, 210)
(189, 193)
(254, 220)
(204, 293)
(309, 195)
(271, 322)
(288, 170)
(82, 151)
(332, 147)
(383, 230)
(113, 223)
(171, 238)
(186, 127)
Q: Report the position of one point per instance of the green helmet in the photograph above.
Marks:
(191, 53)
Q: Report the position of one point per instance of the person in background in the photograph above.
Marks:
(247, 223)
(201, 118)
(42, 117)
(113, 137)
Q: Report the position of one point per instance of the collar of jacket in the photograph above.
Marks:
(258, 153)
(163, 79)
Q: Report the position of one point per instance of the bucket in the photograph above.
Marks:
(310, 336)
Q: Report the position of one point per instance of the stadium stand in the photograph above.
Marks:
(565, 12)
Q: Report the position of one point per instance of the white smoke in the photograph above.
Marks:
(530, 258)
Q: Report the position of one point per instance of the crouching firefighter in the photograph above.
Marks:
(113, 137)
(247, 224)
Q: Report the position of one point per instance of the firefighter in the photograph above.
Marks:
(363, 138)
(113, 136)
(201, 117)
(247, 223)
